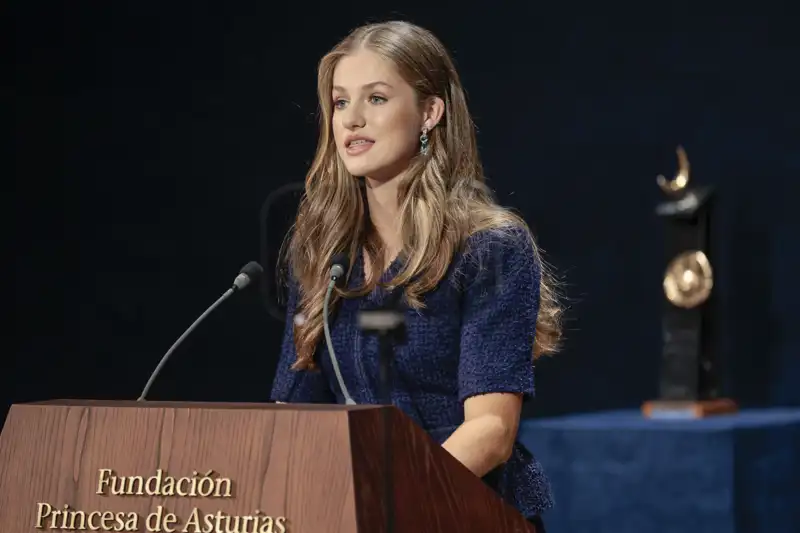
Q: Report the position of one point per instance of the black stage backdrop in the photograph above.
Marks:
(148, 135)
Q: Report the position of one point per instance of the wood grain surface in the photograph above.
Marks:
(323, 468)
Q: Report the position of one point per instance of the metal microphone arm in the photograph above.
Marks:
(251, 271)
(348, 400)
(178, 342)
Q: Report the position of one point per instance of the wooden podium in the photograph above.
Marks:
(167, 467)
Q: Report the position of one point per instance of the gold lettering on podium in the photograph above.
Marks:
(161, 484)
(70, 519)
(198, 485)
(200, 522)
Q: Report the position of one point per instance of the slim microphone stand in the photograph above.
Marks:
(388, 323)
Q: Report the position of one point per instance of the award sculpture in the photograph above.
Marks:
(688, 384)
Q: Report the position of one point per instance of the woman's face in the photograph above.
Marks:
(377, 119)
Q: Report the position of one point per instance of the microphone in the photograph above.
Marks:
(388, 322)
(248, 274)
(339, 265)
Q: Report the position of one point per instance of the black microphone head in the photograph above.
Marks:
(341, 260)
(249, 273)
(252, 270)
(339, 265)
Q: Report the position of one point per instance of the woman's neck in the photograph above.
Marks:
(384, 214)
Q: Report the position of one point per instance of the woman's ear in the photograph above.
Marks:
(432, 112)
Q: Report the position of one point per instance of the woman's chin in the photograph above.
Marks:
(374, 171)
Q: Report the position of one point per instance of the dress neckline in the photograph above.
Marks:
(359, 270)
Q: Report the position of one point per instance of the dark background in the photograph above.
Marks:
(148, 135)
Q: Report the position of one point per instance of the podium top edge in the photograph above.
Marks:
(197, 405)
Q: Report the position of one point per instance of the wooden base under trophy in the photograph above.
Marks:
(676, 410)
(688, 386)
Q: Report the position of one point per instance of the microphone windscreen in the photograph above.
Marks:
(342, 260)
(252, 270)
(339, 265)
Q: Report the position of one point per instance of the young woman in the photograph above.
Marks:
(397, 185)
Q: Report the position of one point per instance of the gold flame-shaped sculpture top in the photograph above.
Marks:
(681, 179)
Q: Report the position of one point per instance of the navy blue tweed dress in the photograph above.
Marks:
(474, 336)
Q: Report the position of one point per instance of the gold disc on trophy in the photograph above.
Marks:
(689, 279)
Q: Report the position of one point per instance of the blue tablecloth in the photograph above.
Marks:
(620, 472)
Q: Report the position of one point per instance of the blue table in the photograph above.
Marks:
(620, 472)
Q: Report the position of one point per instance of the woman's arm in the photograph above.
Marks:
(486, 438)
(500, 307)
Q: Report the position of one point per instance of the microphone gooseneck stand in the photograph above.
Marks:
(249, 273)
(388, 323)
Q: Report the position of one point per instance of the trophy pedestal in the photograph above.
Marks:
(681, 410)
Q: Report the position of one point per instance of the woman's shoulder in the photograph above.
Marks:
(502, 244)
(497, 252)
(508, 236)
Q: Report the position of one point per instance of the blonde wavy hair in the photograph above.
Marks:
(442, 196)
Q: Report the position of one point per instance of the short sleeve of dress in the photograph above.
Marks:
(500, 308)
(293, 386)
